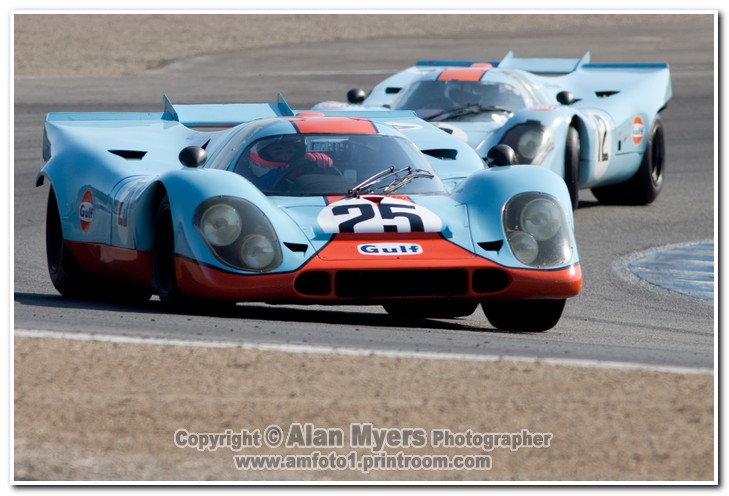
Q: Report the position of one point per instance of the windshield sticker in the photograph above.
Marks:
(389, 215)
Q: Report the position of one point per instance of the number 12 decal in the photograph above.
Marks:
(359, 215)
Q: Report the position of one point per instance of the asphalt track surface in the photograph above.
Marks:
(613, 319)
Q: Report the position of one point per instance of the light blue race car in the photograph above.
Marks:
(596, 125)
(259, 203)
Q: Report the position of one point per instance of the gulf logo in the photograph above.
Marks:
(390, 249)
(638, 130)
(86, 211)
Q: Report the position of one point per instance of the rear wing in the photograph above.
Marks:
(546, 66)
(189, 115)
(556, 66)
(123, 131)
(224, 114)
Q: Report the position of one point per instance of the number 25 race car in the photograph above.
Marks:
(258, 203)
(596, 125)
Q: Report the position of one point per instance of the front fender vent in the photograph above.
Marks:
(296, 247)
(492, 245)
(129, 154)
(442, 153)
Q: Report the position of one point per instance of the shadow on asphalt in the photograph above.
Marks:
(272, 313)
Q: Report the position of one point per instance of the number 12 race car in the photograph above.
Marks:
(596, 125)
(258, 203)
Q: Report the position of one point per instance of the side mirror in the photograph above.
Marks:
(565, 98)
(356, 95)
(193, 156)
(501, 155)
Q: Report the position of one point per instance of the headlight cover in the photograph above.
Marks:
(221, 224)
(531, 141)
(537, 230)
(238, 234)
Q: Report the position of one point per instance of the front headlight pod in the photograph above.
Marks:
(531, 141)
(238, 234)
(537, 230)
(221, 224)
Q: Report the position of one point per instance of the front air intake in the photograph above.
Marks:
(313, 284)
(370, 284)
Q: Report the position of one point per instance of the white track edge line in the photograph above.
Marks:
(331, 350)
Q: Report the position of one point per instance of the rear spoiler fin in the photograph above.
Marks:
(551, 66)
(223, 114)
(190, 115)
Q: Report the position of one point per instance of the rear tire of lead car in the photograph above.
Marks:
(66, 274)
(70, 279)
(643, 188)
(525, 315)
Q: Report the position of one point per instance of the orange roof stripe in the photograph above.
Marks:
(333, 125)
(467, 74)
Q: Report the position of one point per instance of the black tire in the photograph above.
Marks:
(645, 186)
(572, 165)
(431, 309)
(66, 274)
(164, 280)
(525, 315)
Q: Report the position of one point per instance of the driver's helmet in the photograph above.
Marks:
(461, 93)
(269, 154)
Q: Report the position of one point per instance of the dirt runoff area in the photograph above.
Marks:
(98, 411)
(87, 410)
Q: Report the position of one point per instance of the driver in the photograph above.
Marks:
(462, 93)
(267, 159)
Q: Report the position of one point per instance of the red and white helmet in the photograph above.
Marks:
(269, 154)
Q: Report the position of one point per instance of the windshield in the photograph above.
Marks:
(336, 164)
(431, 98)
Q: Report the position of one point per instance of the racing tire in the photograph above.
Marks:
(66, 274)
(572, 165)
(164, 279)
(644, 187)
(525, 315)
(431, 309)
(164, 275)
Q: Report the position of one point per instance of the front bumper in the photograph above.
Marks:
(339, 274)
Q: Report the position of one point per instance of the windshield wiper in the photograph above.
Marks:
(368, 185)
(463, 110)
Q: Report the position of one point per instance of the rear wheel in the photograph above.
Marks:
(66, 274)
(431, 309)
(643, 188)
(524, 315)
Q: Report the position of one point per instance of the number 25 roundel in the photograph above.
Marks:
(360, 215)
